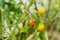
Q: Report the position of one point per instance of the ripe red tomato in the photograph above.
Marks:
(32, 23)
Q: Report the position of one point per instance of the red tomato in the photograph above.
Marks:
(32, 23)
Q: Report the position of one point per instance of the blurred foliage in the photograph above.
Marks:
(15, 16)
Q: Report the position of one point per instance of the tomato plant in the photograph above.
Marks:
(29, 19)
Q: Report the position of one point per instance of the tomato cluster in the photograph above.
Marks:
(40, 27)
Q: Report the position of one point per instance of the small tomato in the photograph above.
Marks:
(32, 23)
(41, 11)
(40, 27)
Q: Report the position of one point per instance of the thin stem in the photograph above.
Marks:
(47, 15)
(1, 6)
(36, 10)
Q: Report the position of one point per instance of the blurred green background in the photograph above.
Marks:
(16, 14)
